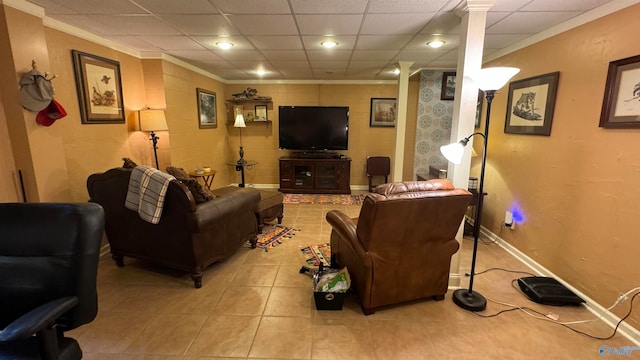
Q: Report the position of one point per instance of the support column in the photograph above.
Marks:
(401, 119)
(474, 18)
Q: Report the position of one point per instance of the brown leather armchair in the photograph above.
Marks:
(400, 247)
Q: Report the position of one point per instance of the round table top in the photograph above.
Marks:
(205, 173)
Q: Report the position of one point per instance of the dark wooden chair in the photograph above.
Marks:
(378, 166)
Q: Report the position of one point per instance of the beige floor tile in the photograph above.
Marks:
(224, 335)
(290, 276)
(341, 339)
(282, 338)
(243, 300)
(151, 299)
(168, 334)
(256, 275)
(113, 332)
(290, 301)
(393, 339)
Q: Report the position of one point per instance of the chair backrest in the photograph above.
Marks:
(409, 215)
(49, 251)
(378, 165)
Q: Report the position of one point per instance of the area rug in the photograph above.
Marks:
(324, 199)
(315, 254)
(273, 235)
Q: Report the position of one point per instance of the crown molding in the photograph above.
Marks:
(162, 56)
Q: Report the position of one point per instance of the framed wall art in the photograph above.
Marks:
(261, 113)
(207, 112)
(448, 85)
(621, 104)
(99, 89)
(530, 105)
(383, 112)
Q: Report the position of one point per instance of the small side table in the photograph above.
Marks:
(206, 176)
(241, 166)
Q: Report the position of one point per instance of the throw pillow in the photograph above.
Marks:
(177, 172)
(128, 163)
(200, 193)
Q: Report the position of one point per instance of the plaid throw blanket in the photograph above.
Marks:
(147, 188)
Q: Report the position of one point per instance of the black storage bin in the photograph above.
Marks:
(328, 300)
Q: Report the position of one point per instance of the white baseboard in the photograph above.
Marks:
(608, 317)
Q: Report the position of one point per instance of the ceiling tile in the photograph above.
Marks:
(328, 55)
(178, 7)
(441, 64)
(290, 64)
(531, 22)
(329, 6)
(103, 7)
(201, 24)
(172, 42)
(285, 55)
(197, 55)
(443, 23)
(394, 24)
(418, 54)
(134, 25)
(264, 25)
(325, 64)
(295, 74)
(405, 6)
(511, 5)
(564, 5)
(52, 8)
(382, 42)
(367, 64)
(240, 55)
(329, 25)
(344, 42)
(87, 23)
(373, 54)
(239, 42)
(502, 40)
(253, 6)
(276, 42)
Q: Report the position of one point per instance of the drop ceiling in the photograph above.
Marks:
(283, 37)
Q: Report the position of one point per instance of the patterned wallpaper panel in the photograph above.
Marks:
(434, 123)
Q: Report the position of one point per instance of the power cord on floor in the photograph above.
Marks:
(545, 317)
(501, 269)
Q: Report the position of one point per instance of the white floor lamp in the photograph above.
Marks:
(488, 80)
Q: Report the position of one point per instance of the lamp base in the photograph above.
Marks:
(471, 301)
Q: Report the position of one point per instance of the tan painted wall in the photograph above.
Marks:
(192, 147)
(261, 142)
(578, 188)
(90, 148)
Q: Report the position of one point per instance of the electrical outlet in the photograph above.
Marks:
(508, 220)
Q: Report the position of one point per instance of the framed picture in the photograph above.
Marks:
(261, 113)
(530, 105)
(479, 108)
(99, 89)
(207, 114)
(383, 112)
(448, 85)
(621, 104)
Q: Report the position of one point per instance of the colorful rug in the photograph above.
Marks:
(317, 253)
(273, 235)
(324, 199)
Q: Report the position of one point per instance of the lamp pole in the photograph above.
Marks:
(154, 138)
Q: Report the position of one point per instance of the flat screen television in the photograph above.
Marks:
(314, 128)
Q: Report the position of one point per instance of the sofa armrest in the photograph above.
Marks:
(346, 229)
(215, 210)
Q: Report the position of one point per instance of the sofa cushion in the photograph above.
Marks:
(178, 172)
(200, 193)
(128, 163)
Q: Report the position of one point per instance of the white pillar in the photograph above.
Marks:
(401, 119)
(474, 18)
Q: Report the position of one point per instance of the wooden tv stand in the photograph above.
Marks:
(315, 176)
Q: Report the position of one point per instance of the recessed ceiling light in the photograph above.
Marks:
(224, 45)
(261, 72)
(329, 44)
(395, 71)
(436, 43)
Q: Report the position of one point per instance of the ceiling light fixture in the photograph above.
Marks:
(396, 71)
(436, 43)
(329, 44)
(224, 45)
(261, 72)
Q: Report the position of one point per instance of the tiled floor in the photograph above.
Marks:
(257, 305)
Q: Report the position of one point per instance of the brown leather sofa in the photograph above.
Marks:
(400, 247)
(188, 237)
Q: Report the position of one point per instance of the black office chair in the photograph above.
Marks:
(48, 266)
(378, 166)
